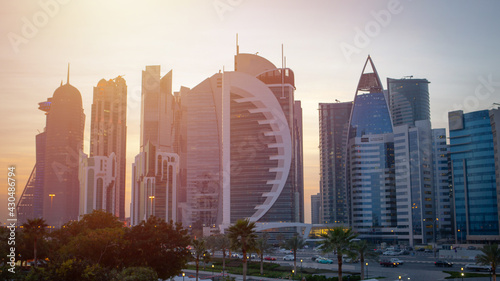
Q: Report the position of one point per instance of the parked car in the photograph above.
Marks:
(428, 251)
(477, 267)
(443, 264)
(389, 253)
(268, 258)
(288, 258)
(388, 263)
(324, 260)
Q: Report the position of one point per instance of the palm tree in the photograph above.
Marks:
(362, 251)
(242, 236)
(261, 246)
(223, 244)
(294, 243)
(200, 251)
(490, 256)
(35, 229)
(338, 240)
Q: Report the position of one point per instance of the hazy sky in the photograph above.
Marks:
(454, 44)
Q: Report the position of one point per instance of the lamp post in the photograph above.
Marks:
(366, 270)
(300, 268)
(152, 209)
(212, 270)
(183, 274)
(462, 273)
(51, 199)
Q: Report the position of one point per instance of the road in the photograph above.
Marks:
(419, 267)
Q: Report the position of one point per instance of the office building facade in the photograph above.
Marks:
(408, 100)
(475, 185)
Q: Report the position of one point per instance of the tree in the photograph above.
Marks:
(242, 236)
(200, 252)
(490, 256)
(294, 243)
(159, 245)
(362, 251)
(338, 240)
(261, 247)
(35, 229)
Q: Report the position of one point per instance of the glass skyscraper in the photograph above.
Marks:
(333, 123)
(370, 160)
(409, 100)
(472, 153)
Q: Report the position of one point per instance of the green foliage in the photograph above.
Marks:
(159, 245)
(490, 256)
(137, 274)
(339, 240)
(242, 236)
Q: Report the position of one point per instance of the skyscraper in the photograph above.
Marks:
(409, 100)
(315, 208)
(108, 134)
(475, 185)
(64, 141)
(243, 152)
(442, 185)
(155, 171)
(414, 182)
(370, 165)
(333, 124)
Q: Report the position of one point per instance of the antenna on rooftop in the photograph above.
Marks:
(67, 81)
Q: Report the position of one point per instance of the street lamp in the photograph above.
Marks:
(51, 198)
(300, 268)
(212, 269)
(399, 277)
(152, 209)
(462, 270)
(366, 270)
(183, 274)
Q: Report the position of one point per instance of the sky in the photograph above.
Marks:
(453, 44)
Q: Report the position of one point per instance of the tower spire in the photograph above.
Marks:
(237, 45)
(67, 80)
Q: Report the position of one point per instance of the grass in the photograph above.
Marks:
(458, 274)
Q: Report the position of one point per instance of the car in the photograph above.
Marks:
(388, 263)
(396, 260)
(428, 251)
(324, 260)
(268, 258)
(288, 258)
(471, 248)
(389, 253)
(442, 263)
(477, 267)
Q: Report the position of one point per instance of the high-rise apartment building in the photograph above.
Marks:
(443, 201)
(473, 149)
(315, 208)
(108, 134)
(333, 124)
(414, 183)
(64, 141)
(155, 171)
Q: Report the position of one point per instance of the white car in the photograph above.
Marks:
(389, 253)
(288, 258)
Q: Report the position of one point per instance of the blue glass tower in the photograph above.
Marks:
(472, 156)
(370, 161)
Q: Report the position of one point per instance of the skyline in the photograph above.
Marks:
(454, 51)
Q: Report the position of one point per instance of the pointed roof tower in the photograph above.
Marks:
(369, 81)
